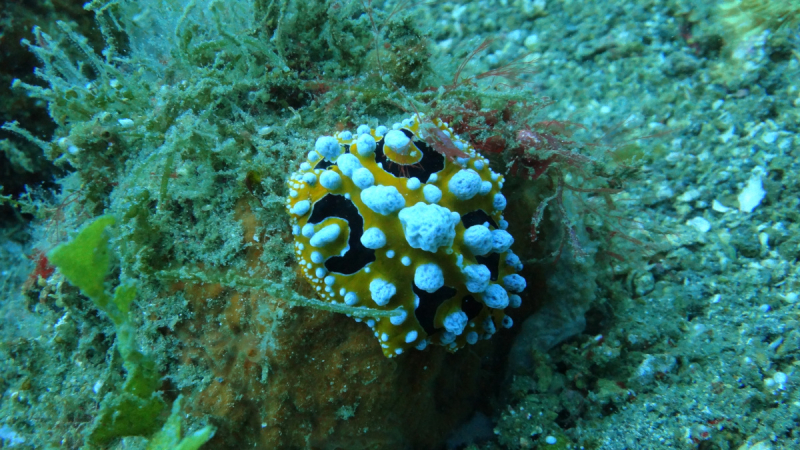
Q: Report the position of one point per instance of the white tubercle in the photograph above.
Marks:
(330, 180)
(382, 291)
(429, 277)
(455, 322)
(363, 178)
(495, 297)
(328, 147)
(373, 238)
(383, 200)
(325, 236)
(428, 227)
(465, 184)
(301, 208)
(397, 141)
(478, 239)
(432, 193)
(478, 276)
(348, 163)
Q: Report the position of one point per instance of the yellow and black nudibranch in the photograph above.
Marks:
(381, 220)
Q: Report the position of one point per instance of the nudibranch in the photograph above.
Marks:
(382, 220)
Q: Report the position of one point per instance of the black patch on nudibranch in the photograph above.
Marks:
(431, 162)
(477, 217)
(428, 304)
(324, 164)
(492, 261)
(358, 256)
(471, 307)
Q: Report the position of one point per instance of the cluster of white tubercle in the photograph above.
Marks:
(415, 231)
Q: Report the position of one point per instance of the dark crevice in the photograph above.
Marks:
(492, 261)
(324, 164)
(429, 303)
(471, 307)
(477, 217)
(358, 256)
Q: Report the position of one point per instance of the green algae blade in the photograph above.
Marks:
(84, 261)
(169, 437)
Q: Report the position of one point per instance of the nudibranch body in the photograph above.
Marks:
(381, 220)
